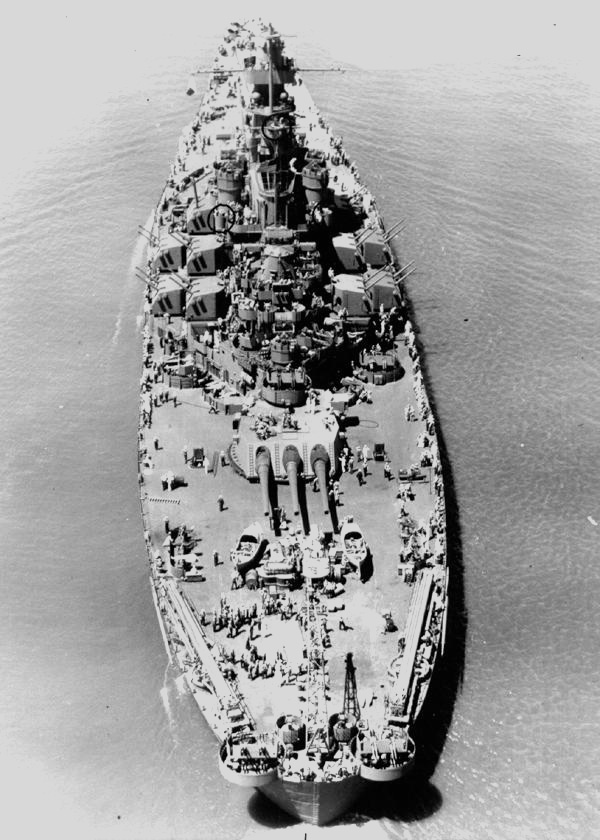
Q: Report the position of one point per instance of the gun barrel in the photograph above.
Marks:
(263, 468)
(291, 462)
(320, 463)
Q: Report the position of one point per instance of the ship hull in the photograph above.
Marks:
(316, 803)
(265, 655)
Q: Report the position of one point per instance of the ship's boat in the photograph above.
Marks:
(277, 342)
(247, 553)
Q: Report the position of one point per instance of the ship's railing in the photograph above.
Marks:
(418, 611)
(223, 687)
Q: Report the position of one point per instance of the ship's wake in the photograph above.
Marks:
(164, 696)
(166, 701)
(181, 685)
(169, 686)
(137, 260)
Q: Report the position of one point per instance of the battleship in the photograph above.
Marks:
(289, 460)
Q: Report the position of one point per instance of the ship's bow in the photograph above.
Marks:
(317, 803)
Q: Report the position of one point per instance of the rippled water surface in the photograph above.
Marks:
(496, 170)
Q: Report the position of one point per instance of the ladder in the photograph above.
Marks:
(315, 677)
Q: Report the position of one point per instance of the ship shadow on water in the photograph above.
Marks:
(405, 801)
(416, 797)
(266, 813)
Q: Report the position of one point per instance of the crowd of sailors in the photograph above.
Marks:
(416, 538)
(294, 765)
(264, 425)
(237, 619)
(321, 768)
(234, 619)
(242, 760)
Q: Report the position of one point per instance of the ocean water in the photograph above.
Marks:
(496, 168)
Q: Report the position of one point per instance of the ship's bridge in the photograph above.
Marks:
(278, 263)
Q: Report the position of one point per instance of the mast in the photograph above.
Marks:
(351, 706)
(270, 37)
(275, 186)
(270, 57)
